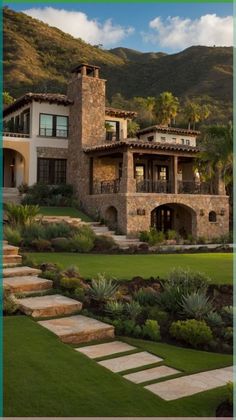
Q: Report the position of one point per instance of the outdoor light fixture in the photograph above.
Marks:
(201, 212)
(222, 212)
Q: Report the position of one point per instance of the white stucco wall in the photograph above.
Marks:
(123, 125)
(169, 138)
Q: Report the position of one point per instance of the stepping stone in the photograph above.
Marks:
(102, 350)
(185, 386)
(79, 329)
(131, 361)
(20, 271)
(10, 250)
(51, 305)
(26, 284)
(151, 374)
(12, 259)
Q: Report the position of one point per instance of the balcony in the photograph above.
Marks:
(150, 186)
(16, 135)
(193, 187)
(106, 187)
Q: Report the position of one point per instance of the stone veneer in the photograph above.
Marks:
(52, 153)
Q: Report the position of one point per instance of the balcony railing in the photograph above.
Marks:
(193, 187)
(150, 186)
(22, 135)
(106, 187)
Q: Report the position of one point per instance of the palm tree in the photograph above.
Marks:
(194, 113)
(166, 108)
(132, 128)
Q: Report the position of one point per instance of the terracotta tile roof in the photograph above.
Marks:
(115, 112)
(52, 98)
(138, 144)
(165, 129)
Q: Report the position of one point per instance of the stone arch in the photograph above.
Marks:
(111, 217)
(16, 154)
(175, 216)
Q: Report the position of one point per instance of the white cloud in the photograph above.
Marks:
(79, 25)
(179, 33)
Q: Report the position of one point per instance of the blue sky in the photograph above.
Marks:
(167, 27)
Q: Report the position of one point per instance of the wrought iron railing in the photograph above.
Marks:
(22, 135)
(106, 187)
(150, 186)
(193, 187)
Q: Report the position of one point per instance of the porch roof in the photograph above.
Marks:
(167, 129)
(144, 145)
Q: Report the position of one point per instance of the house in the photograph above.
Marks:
(133, 184)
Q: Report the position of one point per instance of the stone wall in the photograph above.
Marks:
(105, 169)
(134, 211)
(52, 153)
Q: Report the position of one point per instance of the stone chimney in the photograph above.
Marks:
(86, 123)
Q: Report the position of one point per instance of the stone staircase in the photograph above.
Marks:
(11, 195)
(121, 240)
(72, 328)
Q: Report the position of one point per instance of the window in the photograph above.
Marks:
(212, 216)
(182, 141)
(52, 171)
(112, 130)
(187, 142)
(163, 139)
(150, 138)
(53, 126)
(173, 139)
(162, 172)
(140, 172)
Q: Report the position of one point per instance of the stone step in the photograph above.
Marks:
(47, 306)
(10, 250)
(12, 259)
(20, 271)
(5, 242)
(79, 329)
(26, 284)
(10, 265)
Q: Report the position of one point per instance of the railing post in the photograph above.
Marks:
(175, 175)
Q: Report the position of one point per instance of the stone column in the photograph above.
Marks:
(174, 179)
(128, 183)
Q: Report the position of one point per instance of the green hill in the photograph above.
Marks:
(38, 57)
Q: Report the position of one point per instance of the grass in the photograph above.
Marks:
(218, 266)
(64, 211)
(44, 377)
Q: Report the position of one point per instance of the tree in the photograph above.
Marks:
(166, 108)
(145, 108)
(7, 99)
(194, 113)
(133, 127)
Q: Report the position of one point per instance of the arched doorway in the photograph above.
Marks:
(111, 217)
(13, 168)
(172, 216)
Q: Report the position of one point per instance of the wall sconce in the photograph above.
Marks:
(201, 212)
(141, 212)
(222, 212)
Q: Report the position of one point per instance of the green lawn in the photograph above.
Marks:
(44, 377)
(218, 266)
(64, 211)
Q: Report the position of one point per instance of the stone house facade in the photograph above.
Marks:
(132, 184)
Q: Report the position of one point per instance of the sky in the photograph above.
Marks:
(166, 27)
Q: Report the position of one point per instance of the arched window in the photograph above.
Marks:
(212, 216)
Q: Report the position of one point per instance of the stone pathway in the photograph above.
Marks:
(106, 349)
(151, 374)
(174, 389)
(131, 361)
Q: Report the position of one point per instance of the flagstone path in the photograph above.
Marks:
(78, 329)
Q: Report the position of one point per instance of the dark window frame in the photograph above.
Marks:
(110, 135)
(54, 126)
(212, 216)
(54, 173)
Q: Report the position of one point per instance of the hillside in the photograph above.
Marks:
(38, 57)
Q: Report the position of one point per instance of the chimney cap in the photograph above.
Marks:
(90, 68)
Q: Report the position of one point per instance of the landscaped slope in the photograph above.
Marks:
(38, 57)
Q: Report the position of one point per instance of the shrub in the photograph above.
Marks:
(153, 237)
(114, 308)
(187, 281)
(171, 234)
(214, 320)
(86, 231)
(70, 283)
(79, 293)
(230, 392)
(57, 230)
(227, 314)
(61, 244)
(41, 244)
(12, 235)
(151, 330)
(9, 304)
(38, 194)
(81, 243)
(46, 195)
(21, 215)
(228, 335)
(192, 331)
(104, 243)
(102, 289)
(146, 296)
(196, 305)
(201, 240)
(23, 188)
(128, 327)
(72, 271)
(32, 232)
(133, 310)
(157, 314)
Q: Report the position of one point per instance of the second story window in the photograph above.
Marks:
(53, 126)
(150, 138)
(112, 130)
(163, 139)
(188, 142)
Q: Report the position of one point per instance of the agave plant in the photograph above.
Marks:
(102, 289)
(133, 310)
(114, 308)
(214, 320)
(196, 305)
